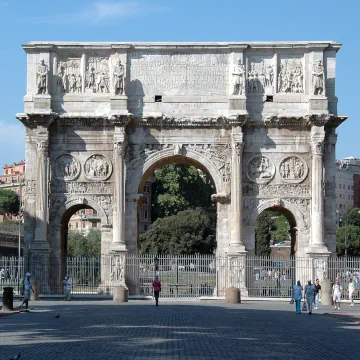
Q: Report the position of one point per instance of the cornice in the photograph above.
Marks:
(36, 120)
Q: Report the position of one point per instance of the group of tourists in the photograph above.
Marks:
(312, 295)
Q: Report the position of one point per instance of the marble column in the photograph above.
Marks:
(317, 194)
(237, 145)
(118, 243)
(40, 241)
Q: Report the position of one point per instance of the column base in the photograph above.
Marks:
(318, 250)
(236, 250)
(39, 245)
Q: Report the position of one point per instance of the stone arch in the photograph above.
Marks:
(166, 156)
(80, 202)
(297, 221)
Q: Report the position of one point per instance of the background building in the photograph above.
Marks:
(347, 184)
(13, 179)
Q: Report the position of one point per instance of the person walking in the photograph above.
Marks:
(27, 286)
(317, 294)
(67, 288)
(157, 289)
(336, 294)
(351, 290)
(297, 296)
(309, 295)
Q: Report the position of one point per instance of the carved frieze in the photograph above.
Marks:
(280, 190)
(97, 167)
(290, 77)
(98, 75)
(260, 77)
(117, 269)
(260, 169)
(68, 76)
(293, 169)
(66, 167)
(77, 187)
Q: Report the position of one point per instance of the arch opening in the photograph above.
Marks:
(281, 234)
(150, 187)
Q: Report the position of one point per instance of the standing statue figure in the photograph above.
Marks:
(41, 74)
(318, 78)
(119, 78)
(238, 78)
(78, 83)
(90, 78)
(269, 79)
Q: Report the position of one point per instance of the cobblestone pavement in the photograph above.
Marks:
(175, 330)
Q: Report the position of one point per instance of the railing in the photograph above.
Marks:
(186, 276)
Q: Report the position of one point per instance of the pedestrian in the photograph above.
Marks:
(336, 294)
(157, 289)
(67, 288)
(309, 295)
(297, 296)
(317, 293)
(351, 290)
(26, 284)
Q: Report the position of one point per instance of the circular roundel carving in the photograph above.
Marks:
(66, 167)
(97, 167)
(260, 169)
(293, 169)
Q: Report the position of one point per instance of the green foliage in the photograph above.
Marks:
(178, 188)
(84, 244)
(264, 223)
(352, 232)
(280, 235)
(353, 217)
(9, 202)
(280, 228)
(188, 232)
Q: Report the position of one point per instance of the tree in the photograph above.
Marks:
(353, 217)
(352, 233)
(179, 187)
(9, 202)
(264, 224)
(188, 232)
(88, 244)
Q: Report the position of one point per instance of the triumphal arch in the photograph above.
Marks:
(258, 118)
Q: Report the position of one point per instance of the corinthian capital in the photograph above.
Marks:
(42, 145)
(237, 148)
(119, 147)
(316, 147)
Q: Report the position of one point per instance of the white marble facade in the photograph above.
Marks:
(259, 118)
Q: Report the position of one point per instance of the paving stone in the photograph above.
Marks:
(174, 330)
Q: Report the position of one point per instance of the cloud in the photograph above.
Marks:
(105, 11)
(12, 145)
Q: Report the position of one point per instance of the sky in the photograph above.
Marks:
(22, 21)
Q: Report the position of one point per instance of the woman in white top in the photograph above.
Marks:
(351, 289)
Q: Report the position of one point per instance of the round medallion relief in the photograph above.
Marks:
(293, 169)
(66, 167)
(260, 169)
(97, 167)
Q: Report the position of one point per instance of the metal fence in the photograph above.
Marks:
(186, 276)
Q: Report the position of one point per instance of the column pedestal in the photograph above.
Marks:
(236, 265)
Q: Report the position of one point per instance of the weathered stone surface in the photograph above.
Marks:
(259, 118)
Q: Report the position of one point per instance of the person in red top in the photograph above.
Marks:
(157, 288)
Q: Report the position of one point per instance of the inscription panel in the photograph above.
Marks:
(177, 74)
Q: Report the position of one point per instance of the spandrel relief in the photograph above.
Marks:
(293, 169)
(290, 76)
(69, 79)
(260, 169)
(97, 75)
(98, 167)
(66, 167)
